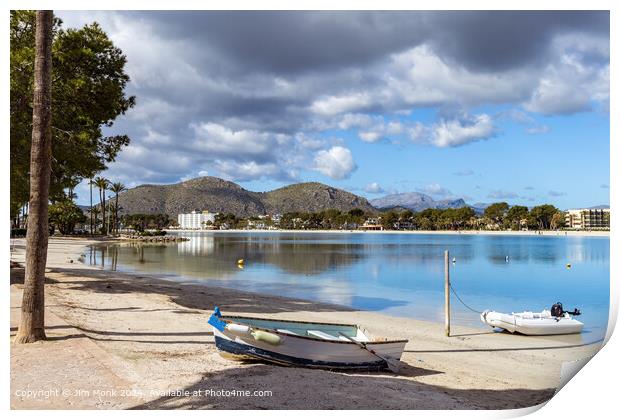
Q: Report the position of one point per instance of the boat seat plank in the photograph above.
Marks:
(325, 336)
(286, 331)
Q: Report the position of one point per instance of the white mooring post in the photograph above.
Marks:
(447, 291)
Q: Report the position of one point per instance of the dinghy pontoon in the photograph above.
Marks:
(298, 343)
(556, 321)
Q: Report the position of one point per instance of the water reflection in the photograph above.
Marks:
(396, 274)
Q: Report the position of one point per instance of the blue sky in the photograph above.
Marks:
(485, 106)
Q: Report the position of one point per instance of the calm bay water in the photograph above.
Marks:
(396, 274)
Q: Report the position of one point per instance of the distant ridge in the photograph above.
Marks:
(415, 201)
(218, 195)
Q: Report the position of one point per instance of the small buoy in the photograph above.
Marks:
(453, 260)
(568, 265)
(506, 257)
(240, 262)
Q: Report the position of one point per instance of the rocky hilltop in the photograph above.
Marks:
(415, 201)
(217, 195)
(312, 197)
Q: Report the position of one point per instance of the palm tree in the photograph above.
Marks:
(102, 184)
(74, 182)
(32, 322)
(90, 212)
(117, 188)
(95, 211)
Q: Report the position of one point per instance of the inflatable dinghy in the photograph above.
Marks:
(533, 323)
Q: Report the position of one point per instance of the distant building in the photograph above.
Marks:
(196, 220)
(256, 224)
(371, 224)
(587, 219)
(403, 225)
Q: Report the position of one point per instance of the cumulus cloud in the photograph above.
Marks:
(223, 103)
(436, 190)
(339, 104)
(455, 132)
(374, 188)
(336, 163)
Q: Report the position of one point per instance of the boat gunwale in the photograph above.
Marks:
(224, 318)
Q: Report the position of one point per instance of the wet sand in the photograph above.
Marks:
(151, 336)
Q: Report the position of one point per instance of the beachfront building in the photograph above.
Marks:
(196, 220)
(587, 219)
(372, 224)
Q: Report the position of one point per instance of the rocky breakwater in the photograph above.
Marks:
(162, 238)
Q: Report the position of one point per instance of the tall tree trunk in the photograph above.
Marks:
(116, 214)
(100, 204)
(32, 322)
(105, 225)
(90, 212)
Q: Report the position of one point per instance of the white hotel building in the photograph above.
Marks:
(195, 220)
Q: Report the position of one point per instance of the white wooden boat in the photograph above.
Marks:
(298, 343)
(533, 323)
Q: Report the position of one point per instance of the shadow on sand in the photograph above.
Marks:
(188, 295)
(321, 389)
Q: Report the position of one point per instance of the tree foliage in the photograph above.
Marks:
(65, 215)
(497, 212)
(140, 222)
(88, 94)
(542, 216)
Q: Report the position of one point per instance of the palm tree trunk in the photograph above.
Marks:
(104, 230)
(116, 214)
(101, 206)
(32, 322)
(90, 212)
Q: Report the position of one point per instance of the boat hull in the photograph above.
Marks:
(526, 323)
(293, 350)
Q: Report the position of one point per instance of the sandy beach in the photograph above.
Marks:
(136, 341)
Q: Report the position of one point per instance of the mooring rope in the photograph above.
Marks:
(461, 300)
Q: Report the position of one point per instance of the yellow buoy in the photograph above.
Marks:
(240, 262)
(568, 265)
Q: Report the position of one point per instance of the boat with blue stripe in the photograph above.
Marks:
(301, 343)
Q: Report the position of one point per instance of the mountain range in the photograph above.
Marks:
(218, 195)
(415, 201)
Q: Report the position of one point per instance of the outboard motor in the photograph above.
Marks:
(558, 311)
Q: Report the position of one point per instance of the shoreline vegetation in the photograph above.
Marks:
(407, 232)
(97, 317)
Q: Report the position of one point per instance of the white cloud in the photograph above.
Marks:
(355, 121)
(246, 171)
(502, 195)
(454, 132)
(370, 136)
(336, 163)
(237, 114)
(374, 188)
(436, 190)
(572, 83)
(458, 132)
(338, 104)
